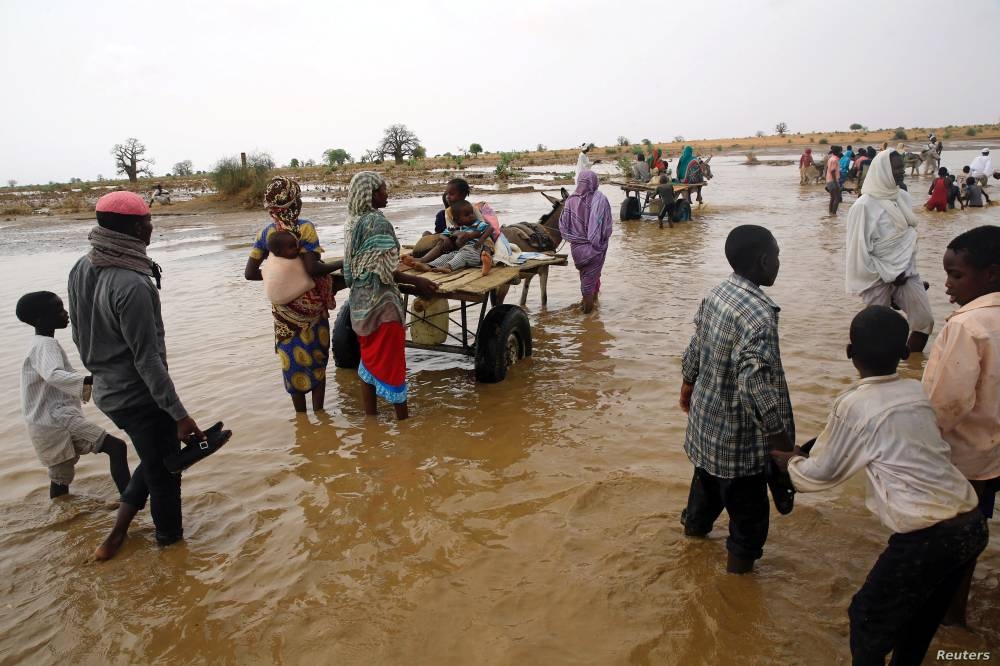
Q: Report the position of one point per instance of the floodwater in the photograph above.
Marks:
(534, 521)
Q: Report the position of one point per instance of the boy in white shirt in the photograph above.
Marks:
(885, 425)
(51, 395)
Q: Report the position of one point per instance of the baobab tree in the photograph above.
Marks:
(399, 142)
(130, 159)
(183, 168)
(781, 128)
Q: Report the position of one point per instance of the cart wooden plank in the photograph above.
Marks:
(469, 284)
(651, 189)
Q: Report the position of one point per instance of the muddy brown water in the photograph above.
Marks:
(530, 521)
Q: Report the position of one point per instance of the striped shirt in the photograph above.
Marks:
(51, 394)
(740, 396)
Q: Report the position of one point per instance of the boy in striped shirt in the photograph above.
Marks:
(52, 393)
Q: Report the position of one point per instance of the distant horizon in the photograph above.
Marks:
(817, 134)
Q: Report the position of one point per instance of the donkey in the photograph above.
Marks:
(814, 173)
(928, 158)
(541, 236)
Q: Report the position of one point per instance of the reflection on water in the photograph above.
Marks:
(527, 521)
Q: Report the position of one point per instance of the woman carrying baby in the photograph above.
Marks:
(300, 289)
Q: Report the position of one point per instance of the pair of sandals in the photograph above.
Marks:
(780, 484)
(194, 451)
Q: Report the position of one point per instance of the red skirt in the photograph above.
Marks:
(383, 361)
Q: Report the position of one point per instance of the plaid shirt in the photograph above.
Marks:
(740, 396)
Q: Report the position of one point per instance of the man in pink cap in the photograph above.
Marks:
(117, 327)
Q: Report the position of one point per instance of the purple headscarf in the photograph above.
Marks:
(586, 223)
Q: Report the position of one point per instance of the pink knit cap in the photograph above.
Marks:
(123, 203)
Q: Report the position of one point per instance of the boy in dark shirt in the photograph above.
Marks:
(974, 194)
(665, 190)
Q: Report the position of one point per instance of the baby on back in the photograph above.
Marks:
(285, 276)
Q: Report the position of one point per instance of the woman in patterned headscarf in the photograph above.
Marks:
(302, 327)
(586, 224)
(371, 263)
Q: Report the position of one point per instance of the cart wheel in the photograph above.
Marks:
(344, 342)
(504, 338)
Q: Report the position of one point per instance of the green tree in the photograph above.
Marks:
(294, 163)
(623, 140)
(399, 142)
(475, 149)
(419, 153)
(857, 127)
(336, 156)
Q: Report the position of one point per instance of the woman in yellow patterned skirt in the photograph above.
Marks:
(302, 327)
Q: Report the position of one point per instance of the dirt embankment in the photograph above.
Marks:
(423, 177)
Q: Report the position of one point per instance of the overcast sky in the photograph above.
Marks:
(202, 80)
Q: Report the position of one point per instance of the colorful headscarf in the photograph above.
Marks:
(586, 220)
(371, 255)
(283, 201)
(363, 186)
(655, 160)
(682, 164)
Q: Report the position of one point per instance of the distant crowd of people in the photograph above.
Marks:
(946, 191)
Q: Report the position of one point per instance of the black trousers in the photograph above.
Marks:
(907, 592)
(744, 499)
(154, 435)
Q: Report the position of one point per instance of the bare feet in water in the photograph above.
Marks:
(110, 546)
(114, 541)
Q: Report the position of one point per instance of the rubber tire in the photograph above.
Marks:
(504, 338)
(344, 342)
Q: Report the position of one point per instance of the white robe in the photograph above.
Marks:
(881, 230)
(582, 164)
(981, 166)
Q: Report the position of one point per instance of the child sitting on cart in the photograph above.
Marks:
(473, 239)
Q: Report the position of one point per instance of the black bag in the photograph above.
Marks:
(631, 209)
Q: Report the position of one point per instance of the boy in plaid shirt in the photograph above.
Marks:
(737, 402)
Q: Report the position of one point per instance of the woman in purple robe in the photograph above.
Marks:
(586, 224)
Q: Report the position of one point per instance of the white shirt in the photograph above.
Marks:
(51, 395)
(981, 166)
(886, 425)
